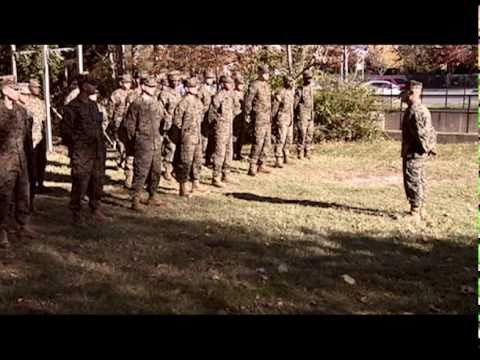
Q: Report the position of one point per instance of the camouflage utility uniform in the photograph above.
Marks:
(303, 107)
(418, 142)
(224, 107)
(205, 94)
(36, 108)
(143, 122)
(283, 120)
(15, 156)
(239, 126)
(258, 104)
(169, 98)
(186, 126)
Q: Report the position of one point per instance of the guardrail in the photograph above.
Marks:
(466, 102)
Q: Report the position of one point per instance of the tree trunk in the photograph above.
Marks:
(135, 56)
(120, 58)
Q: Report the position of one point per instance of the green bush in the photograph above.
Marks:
(344, 111)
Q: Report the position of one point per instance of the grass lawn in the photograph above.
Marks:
(277, 243)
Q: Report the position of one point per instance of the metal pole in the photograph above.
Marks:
(446, 92)
(346, 62)
(80, 58)
(289, 59)
(46, 95)
(14, 61)
(464, 90)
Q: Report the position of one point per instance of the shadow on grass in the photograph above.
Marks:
(161, 264)
(320, 204)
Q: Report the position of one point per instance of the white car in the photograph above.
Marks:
(382, 87)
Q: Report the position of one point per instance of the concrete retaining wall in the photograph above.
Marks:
(451, 126)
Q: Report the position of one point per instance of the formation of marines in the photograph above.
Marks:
(166, 127)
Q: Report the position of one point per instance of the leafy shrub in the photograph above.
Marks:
(345, 111)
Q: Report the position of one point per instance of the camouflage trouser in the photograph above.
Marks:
(128, 171)
(222, 157)
(290, 135)
(281, 140)
(261, 146)
(40, 162)
(305, 136)
(14, 186)
(189, 162)
(147, 165)
(168, 150)
(414, 180)
(239, 134)
(208, 147)
(88, 175)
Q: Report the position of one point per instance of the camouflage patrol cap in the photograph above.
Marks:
(174, 75)
(239, 80)
(126, 78)
(413, 84)
(308, 74)
(192, 82)
(149, 81)
(8, 83)
(34, 83)
(209, 74)
(225, 79)
(263, 69)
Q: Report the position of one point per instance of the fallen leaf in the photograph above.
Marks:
(348, 279)
(282, 268)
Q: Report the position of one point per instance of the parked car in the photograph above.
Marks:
(400, 80)
(382, 87)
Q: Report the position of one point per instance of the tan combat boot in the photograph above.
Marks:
(278, 163)
(78, 219)
(217, 183)
(168, 172)
(26, 232)
(196, 187)
(154, 200)
(226, 179)
(414, 214)
(136, 204)
(300, 155)
(263, 169)
(99, 217)
(4, 243)
(183, 190)
(252, 171)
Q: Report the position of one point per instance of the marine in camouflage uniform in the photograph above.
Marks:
(205, 94)
(258, 108)
(239, 126)
(418, 144)
(223, 109)
(170, 97)
(144, 122)
(283, 120)
(82, 132)
(118, 106)
(186, 132)
(303, 108)
(129, 150)
(35, 106)
(15, 158)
